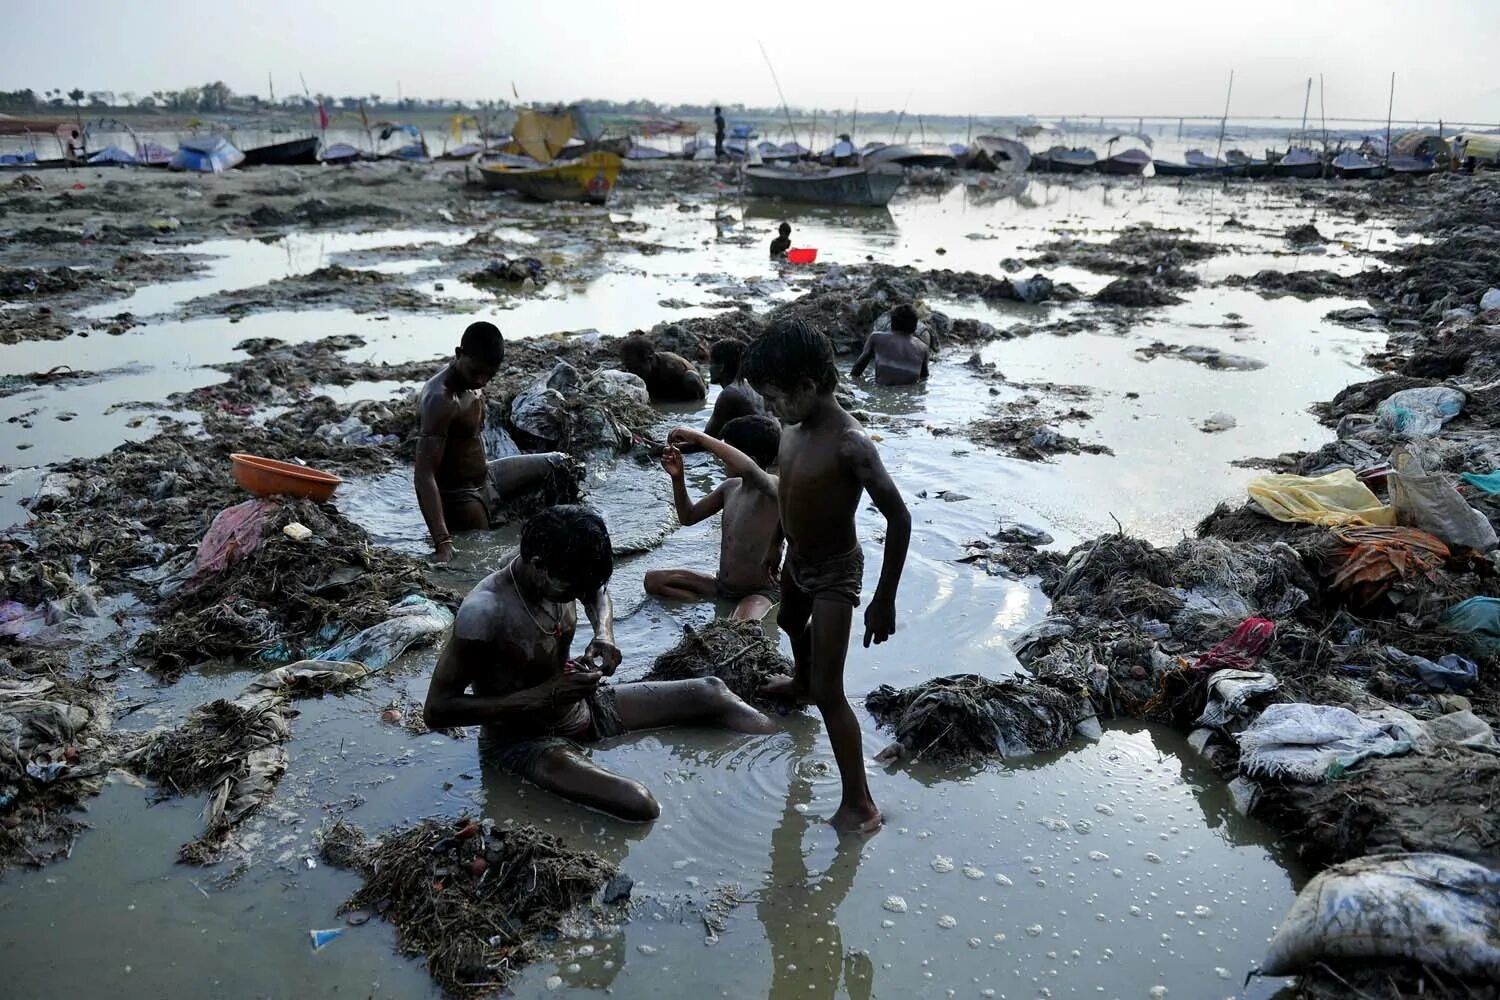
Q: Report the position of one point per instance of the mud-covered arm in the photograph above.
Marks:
(736, 462)
(863, 458)
(602, 650)
(450, 704)
(437, 412)
(865, 357)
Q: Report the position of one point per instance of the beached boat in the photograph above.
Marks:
(995, 154)
(463, 151)
(1062, 160)
(589, 178)
(1351, 165)
(772, 153)
(1125, 163)
(293, 152)
(927, 154)
(1411, 166)
(834, 186)
(638, 151)
(1195, 163)
(1243, 165)
(340, 152)
(1303, 163)
(206, 154)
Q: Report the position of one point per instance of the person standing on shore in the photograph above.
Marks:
(718, 133)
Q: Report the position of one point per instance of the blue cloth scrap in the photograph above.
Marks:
(1489, 482)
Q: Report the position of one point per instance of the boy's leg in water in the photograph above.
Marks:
(517, 474)
(752, 608)
(829, 636)
(795, 619)
(705, 701)
(681, 584)
(568, 773)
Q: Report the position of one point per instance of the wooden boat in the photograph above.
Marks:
(834, 186)
(1350, 165)
(1125, 163)
(19, 165)
(930, 154)
(464, 151)
(995, 154)
(1242, 165)
(1411, 166)
(293, 152)
(1062, 160)
(341, 152)
(1303, 163)
(113, 156)
(589, 178)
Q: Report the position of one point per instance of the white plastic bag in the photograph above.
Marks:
(1428, 501)
(1419, 412)
(1429, 908)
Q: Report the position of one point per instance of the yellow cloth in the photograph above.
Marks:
(1335, 499)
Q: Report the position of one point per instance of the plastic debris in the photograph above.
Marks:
(297, 531)
(321, 939)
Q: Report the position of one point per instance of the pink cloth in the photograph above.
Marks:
(1242, 650)
(236, 533)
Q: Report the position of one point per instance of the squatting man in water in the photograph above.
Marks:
(506, 667)
(458, 488)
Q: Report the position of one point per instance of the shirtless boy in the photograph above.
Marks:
(736, 399)
(900, 356)
(458, 489)
(511, 644)
(669, 378)
(783, 241)
(750, 539)
(826, 462)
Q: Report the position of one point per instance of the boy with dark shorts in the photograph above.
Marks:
(750, 539)
(826, 463)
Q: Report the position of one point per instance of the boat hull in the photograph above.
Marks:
(839, 186)
(1304, 171)
(296, 152)
(1044, 163)
(590, 178)
(1121, 168)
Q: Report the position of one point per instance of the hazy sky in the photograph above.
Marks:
(1110, 57)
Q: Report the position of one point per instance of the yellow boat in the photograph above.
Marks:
(589, 178)
(541, 136)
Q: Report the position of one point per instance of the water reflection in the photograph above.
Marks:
(799, 909)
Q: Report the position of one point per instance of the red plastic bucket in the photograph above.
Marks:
(802, 255)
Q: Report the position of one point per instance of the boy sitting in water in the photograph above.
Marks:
(781, 244)
(825, 462)
(900, 357)
(750, 541)
(669, 378)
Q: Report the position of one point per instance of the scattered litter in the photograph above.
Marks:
(321, 939)
(739, 653)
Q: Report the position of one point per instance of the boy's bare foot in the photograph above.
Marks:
(785, 688)
(861, 819)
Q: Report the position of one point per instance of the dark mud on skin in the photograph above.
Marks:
(1116, 861)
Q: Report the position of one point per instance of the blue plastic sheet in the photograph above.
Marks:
(1489, 482)
(1479, 615)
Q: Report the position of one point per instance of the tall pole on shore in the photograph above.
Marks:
(789, 127)
(1389, 110)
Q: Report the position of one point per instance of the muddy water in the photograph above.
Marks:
(1104, 870)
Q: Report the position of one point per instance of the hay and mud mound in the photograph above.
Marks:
(1428, 279)
(232, 750)
(285, 600)
(741, 654)
(52, 757)
(474, 900)
(1030, 437)
(1139, 251)
(1387, 979)
(1307, 284)
(1444, 803)
(968, 719)
(1134, 293)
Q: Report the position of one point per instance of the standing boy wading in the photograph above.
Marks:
(826, 462)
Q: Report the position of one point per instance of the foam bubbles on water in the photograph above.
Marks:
(895, 904)
(1001, 879)
(947, 922)
(942, 865)
(974, 873)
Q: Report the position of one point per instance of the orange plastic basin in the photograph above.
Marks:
(802, 255)
(266, 477)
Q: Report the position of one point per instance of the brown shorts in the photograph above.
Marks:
(839, 579)
(734, 595)
(522, 757)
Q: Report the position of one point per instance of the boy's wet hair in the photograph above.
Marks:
(789, 352)
(904, 319)
(571, 543)
(785, 229)
(757, 436)
(482, 342)
(637, 349)
(729, 353)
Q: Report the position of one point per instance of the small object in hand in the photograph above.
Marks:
(477, 866)
(297, 531)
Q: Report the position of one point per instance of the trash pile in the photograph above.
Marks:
(1332, 645)
(740, 653)
(234, 750)
(256, 589)
(525, 272)
(968, 719)
(51, 757)
(1140, 251)
(562, 411)
(473, 898)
